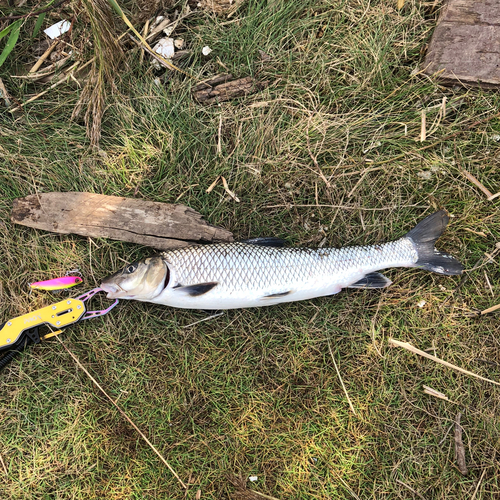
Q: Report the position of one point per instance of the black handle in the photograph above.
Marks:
(30, 336)
(9, 356)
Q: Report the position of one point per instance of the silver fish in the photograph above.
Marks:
(262, 272)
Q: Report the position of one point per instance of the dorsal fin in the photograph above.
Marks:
(266, 241)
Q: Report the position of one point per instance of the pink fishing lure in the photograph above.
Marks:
(57, 283)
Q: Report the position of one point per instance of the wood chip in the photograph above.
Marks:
(459, 446)
(212, 81)
(228, 90)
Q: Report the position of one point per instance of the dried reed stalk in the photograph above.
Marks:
(410, 348)
(108, 55)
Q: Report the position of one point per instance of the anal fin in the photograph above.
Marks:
(372, 280)
(198, 289)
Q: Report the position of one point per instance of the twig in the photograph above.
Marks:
(478, 483)
(61, 80)
(144, 33)
(432, 392)
(459, 446)
(439, 141)
(219, 134)
(410, 488)
(31, 14)
(228, 191)
(423, 131)
(259, 494)
(211, 187)
(42, 58)
(4, 94)
(476, 182)
(410, 348)
(164, 62)
(340, 377)
(489, 310)
(122, 413)
(488, 283)
(205, 319)
(3, 465)
(176, 22)
(45, 72)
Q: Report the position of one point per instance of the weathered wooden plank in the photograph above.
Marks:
(221, 88)
(159, 225)
(465, 46)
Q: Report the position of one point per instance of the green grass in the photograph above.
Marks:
(255, 392)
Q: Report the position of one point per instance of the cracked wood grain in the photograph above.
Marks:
(465, 46)
(158, 225)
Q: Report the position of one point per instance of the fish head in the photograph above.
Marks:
(141, 280)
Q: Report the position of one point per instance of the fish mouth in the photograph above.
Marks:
(114, 291)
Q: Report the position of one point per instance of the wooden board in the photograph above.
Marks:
(158, 225)
(465, 45)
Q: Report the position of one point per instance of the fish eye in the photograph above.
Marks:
(130, 269)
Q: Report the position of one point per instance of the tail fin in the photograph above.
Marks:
(423, 236)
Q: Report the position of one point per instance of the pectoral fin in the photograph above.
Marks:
(196, 290)
(372, 280)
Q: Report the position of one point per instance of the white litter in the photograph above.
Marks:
(421, 304)
(253, 478)
(157, 21)
(179, 43)
(57, 29)
(206, 50)
(170, 29)
(165, 47)
(426, 175)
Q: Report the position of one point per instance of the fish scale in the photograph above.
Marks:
(262, 272)
(242, 267)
